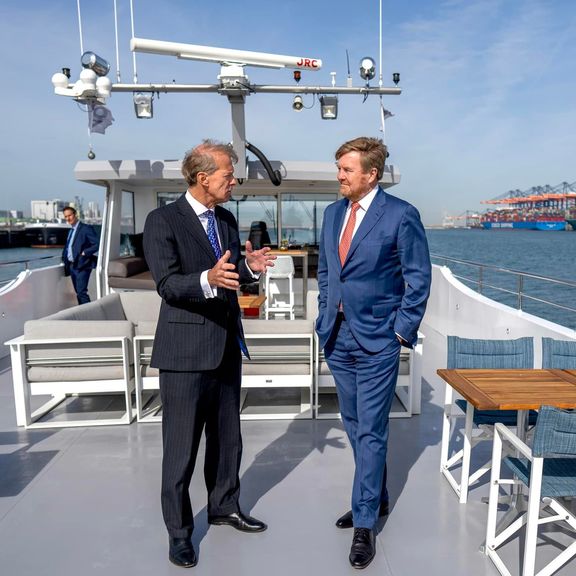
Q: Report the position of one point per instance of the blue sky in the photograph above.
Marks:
(488, 103)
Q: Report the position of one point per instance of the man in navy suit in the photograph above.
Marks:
(79, 254)
(374, 279)
(192, 247)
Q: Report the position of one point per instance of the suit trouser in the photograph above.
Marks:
(192, 402)
(365, 383)
(80, 280)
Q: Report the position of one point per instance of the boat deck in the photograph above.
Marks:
(86, 501)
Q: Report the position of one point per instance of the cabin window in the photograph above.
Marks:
(127, 223)
(163, 198)
(302, 218)
(256, 213)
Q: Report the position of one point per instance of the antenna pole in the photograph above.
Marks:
(380, 37)
(116, 35)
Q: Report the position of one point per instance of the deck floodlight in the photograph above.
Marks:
(298, 103)
(329, 107)
(367, 68)
(143, 104)
(95, 63)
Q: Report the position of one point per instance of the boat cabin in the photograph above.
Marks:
(290, 214)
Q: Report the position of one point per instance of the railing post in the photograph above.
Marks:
(480, 279)
(520, 289)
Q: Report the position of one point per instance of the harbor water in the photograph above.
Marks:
(550, 254)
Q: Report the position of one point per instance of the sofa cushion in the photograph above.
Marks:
(75, 373)
(127, 266)
(145, 328)
(141, 306)
(142, 281)
(51, 329)
(278, 327)
(106, 308)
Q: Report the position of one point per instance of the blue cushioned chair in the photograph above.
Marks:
(559, 354)
(549, 470)
(479, 354)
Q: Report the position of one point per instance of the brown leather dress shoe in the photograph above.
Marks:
(363, 548)
(181, 553)
(345, 521)
(238, 520)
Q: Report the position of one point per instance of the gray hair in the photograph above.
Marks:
(201, 159)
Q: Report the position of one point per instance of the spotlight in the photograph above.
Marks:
(396, 78)
(367, 68)
(93, 62)
(143, 104)
(298, 103)
(329, 107)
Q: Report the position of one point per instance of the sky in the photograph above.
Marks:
(488, 99)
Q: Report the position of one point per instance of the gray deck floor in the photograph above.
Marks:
(86, 501)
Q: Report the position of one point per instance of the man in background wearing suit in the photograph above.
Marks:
(374, 279)
(192, 247)
(79, 254)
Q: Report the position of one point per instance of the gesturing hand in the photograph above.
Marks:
(223, 275)
(258, 260)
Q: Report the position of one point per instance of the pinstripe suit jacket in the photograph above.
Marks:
(192, 329)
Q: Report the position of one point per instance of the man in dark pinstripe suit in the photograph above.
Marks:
(192, 247)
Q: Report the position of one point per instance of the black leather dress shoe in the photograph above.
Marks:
(182, 553)
(240, 521)
(345, 521)
(363, 548)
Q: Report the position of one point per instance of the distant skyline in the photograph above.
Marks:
(487, 106)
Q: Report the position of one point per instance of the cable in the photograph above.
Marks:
(133, 53)
(274, 175)
(116, 35)
(80, 28)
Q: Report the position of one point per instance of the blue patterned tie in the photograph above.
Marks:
(212, 236)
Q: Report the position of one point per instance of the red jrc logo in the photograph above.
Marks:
(307, 63)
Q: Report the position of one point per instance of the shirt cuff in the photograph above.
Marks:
(208, 291)
(401, 340)
(255, 275)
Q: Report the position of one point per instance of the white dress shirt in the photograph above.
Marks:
(199, 208)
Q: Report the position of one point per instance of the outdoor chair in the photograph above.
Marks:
(549, 472)
(280, 301)
(480, 354)
(559, 354)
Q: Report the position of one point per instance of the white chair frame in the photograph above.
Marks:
(531, 518)
(24, 389)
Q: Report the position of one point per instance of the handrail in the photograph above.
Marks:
(26, 261)
(507, 270)
(26, 266)
(481, 284)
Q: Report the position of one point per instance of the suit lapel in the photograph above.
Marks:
(222, 230)
(371, 218)
(192, 224)
(339, 215)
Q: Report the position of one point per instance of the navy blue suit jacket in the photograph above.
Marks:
(385, 280)
(84, 248)
(192, 329)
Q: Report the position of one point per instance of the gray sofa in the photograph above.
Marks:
(80, 350)
(130, 273)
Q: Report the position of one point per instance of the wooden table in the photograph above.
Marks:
(251, 302)
(514, 389)
(520, 390)
(298, 254)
